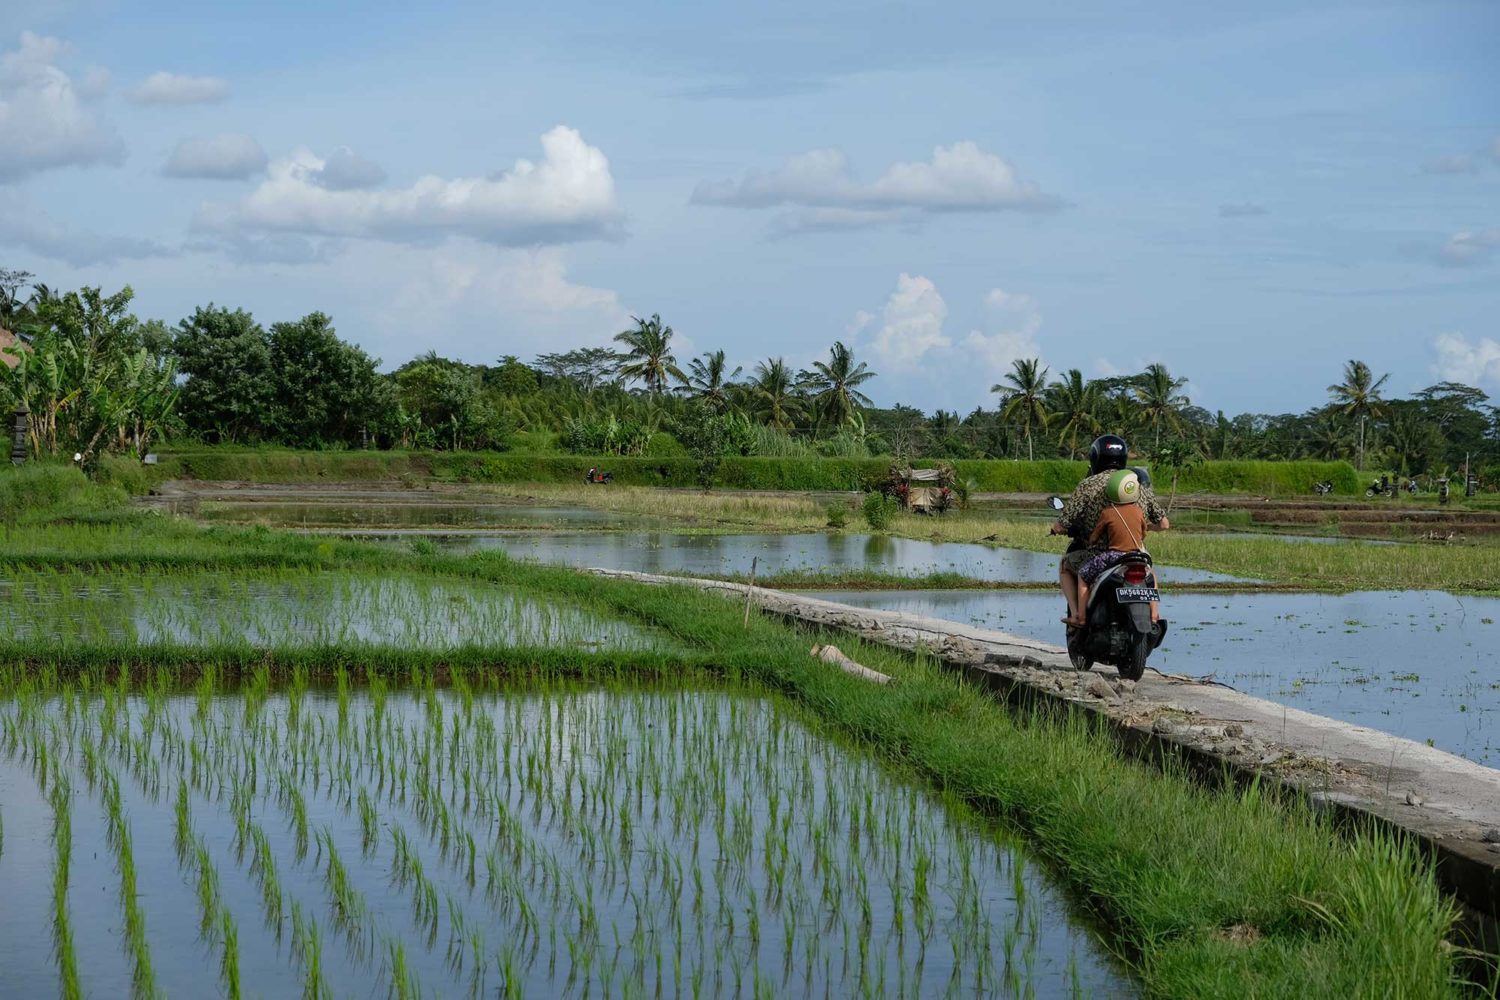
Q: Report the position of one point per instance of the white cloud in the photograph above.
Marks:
(569, 195)
(957, 178)
(173, 88)
(345, 170)
(1458, 360)
(45, 120)
(229, 157)
(1014, 322)
(480, 301)
(37, 232)
(1469, 248)
(911, 323)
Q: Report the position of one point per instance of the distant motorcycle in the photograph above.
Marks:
(1117, 628)
(595, 477)
(1324, 488)
(1381, 488)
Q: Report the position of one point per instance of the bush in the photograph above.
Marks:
(838, 515)
(880, 510)
(38, 491)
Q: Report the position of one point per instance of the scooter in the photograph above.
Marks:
(596, 478)
(1324, 488)
(1118, 630)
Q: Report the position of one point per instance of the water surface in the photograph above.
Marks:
(1420, 664)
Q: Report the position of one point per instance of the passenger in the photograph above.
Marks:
(1121, 530)
(1079, 515)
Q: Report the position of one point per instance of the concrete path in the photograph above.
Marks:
(1450, 804)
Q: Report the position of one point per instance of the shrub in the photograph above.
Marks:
(838, 515)
(880, 510)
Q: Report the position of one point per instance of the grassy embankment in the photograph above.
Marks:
(1281, 479)
(1205, 893)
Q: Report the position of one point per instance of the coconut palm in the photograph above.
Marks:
(1160, 398)
(1027, 381)
(1359, 396)
(649, 358)
(836, 383)
(706, 381)
(1075, 402)
(773, 394)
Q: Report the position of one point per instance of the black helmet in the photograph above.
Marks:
(1142, 474)
(1108, 451)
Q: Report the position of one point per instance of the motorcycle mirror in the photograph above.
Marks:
(1056, 503)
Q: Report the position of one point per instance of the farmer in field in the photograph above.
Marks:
(1082, 511)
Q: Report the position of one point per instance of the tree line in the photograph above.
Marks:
(97, 379)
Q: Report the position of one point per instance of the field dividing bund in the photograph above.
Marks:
(1447, 805)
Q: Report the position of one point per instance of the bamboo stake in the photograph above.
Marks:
(750, 590)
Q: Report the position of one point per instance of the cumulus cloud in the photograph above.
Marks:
(486, 300)
(39, 233)
(911, 323)
(46, 120)
(174, 88)
(1469, 248)
(569, 195)
(1014, 320)
(344, 170)
(228, 157)
(1472, 363)
(957, 178)
(1242, 210)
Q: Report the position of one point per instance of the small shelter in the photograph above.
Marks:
(924, 491)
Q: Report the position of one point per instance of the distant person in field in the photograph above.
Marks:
(1081, 513)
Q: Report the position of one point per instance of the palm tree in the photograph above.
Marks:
(705, 380)
(1359, 396)
(773, 394)
(650, 356)
(1160, 397)
(1023, 396)
(1076, 402)
(837, 383)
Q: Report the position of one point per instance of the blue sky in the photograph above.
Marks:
(1249, 192)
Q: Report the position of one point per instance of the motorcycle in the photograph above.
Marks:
(1381, 487)
(1118, 630)
(596, 478)
(1324, 488)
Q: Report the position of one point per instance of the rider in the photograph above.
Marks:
(1081, 513)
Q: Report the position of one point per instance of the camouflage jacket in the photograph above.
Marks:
(1082, 511)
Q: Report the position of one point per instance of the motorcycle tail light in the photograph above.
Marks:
(1135, 573)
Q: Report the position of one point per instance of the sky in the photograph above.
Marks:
(1249, 192)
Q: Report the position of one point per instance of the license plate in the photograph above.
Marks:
(1135, 595)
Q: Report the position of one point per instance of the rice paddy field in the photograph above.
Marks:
(240, 761)
(462, 843)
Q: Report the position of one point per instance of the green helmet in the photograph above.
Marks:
(1123, 486)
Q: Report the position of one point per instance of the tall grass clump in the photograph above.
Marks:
(880, 510)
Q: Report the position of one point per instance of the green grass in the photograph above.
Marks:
(535, 459)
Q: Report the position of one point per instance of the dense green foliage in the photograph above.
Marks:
(299, 384)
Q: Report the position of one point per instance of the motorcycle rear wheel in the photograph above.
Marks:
(1135, 663)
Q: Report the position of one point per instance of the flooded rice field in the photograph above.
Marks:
(703, 555)
(563, 843)
(413, 514)
(296, 608)
(1420, 664)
